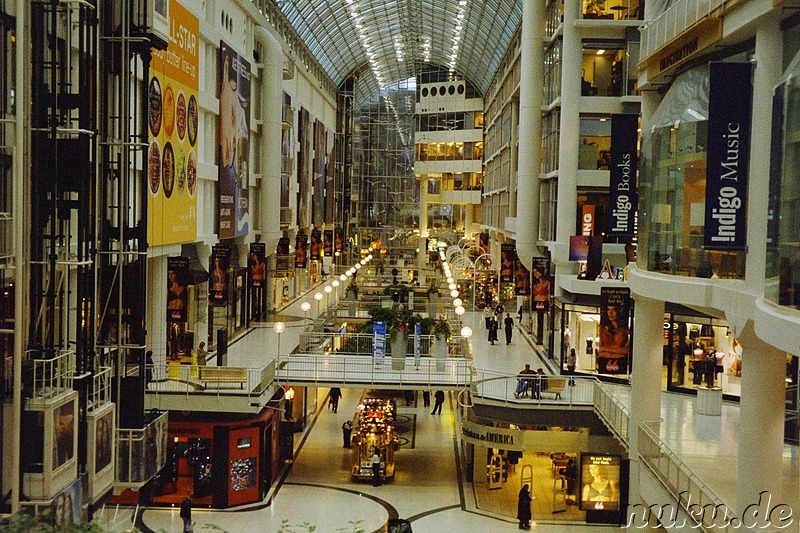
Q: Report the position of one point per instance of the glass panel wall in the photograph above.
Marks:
(594, 151)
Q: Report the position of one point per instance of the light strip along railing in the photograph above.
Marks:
(364, 370)
(219, 380)
(615, 415)
(501, 387)
(668, 25)
(692, 495)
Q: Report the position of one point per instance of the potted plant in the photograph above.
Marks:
(398, 292)
(400, 322)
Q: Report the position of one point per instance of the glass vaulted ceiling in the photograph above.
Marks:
(392, 39)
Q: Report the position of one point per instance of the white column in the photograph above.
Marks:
(769, 51)
(271, 116)
(571, 60)
(530, 127)
(761, 419)
(648, 340)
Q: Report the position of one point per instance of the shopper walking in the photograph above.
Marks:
(426, 398)
(509, 327)
(571, 360)
(438, 401)
(347, 430)
(186, 515)
(524, 508)
(336, 393)
(376, 469)
(493, 330)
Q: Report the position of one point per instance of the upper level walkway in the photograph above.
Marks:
(686, 450)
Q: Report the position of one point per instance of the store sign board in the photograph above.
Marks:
(623, 193)
(685, 47)
(523, 440)
(730, 102)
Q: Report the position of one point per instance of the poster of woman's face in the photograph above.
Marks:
(67, 508)
(103, 437)
(63, 430)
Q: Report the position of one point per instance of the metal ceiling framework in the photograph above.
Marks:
(394, 39)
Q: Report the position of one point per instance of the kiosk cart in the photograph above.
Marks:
(374, 431)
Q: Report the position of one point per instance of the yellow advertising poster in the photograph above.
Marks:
(173, 119)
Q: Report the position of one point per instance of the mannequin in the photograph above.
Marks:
(589, 347)
(567, 339)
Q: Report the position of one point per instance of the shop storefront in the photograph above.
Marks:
(219, 461)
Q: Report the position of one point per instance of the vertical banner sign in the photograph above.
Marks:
(378, 342)
(623, 194)
(615, 304)
(301, 251)
(338, 240)
(541, 283)
(522, 279)
(282, 253)
(177, 283)
(587, 220)
(258, 266)
(173, 116)
(327, 242)
(316, 245)
(729, 105)
(508, 254)
(220, 262)
(417, 342)
(234, 142)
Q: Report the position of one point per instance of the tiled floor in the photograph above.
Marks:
(428, 488)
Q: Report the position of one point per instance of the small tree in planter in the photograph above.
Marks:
(398, 292)
(400, 323)
(352, 288)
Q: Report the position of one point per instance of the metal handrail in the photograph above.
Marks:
(692, 495)
(677, 19)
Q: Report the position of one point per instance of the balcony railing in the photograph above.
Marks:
(48, 377)
(141, 452)
(497, 386)
(101, 389)
(680, 16)
(615, 415)
(695, 497)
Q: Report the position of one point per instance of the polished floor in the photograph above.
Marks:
(429, 488)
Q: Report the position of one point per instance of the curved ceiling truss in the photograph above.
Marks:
(395, 38)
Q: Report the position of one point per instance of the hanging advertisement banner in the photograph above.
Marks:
(316, 245)
(173, 116)
(417, 343)
(282, 253)
(301, 251)
(220, 263)
(522, 279)
(338, 240)
(540, 268)
(178, 277)
(258, 265)
(615, 303)
(378, 342)
(622, 190)
(587, 220)
(729, 105)
(234, 142)
(508, 254)
(327, 242)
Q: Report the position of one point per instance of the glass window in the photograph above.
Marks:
(603, 69)
(594, 151)
(552, 72)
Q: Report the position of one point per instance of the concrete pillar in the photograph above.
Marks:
(530, 128)
(769, 51)
(571, 61)
(761, 419)
(648, 340)
(272, 119)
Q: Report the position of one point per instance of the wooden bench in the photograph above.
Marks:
(216, 375)
(555, 386)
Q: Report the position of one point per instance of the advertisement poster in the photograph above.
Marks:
(178, 278)
(417, 342)
(338, 240)
(257, 263)
(508, 255)
(301, 251)
(378, 342)
(327, 242)
(103, 439)
(729, 103)
(220, 262)
(64, 430)
(67, 507)
(282, 253)
(173, 117)
(540, 270)
(522, 279)
(600, 482)
(316, 245)
(589, 249)
(614, 346)
(234, 142)
(623, 194)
